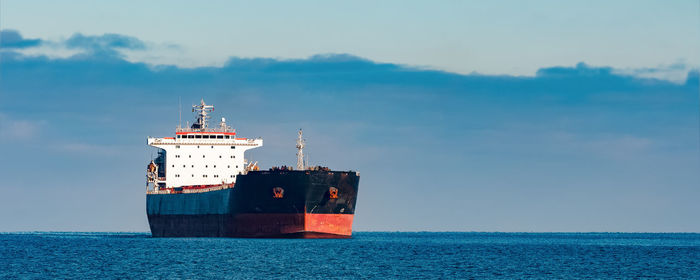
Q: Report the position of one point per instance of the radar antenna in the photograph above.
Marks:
(300, 152)
(202, 115)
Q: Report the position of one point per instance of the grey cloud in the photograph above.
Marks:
(106, 41)
(12, 39)
(106, 45)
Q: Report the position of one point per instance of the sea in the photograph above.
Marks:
(367, 255)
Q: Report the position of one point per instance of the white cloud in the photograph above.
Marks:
(676, 72)
(15, 129)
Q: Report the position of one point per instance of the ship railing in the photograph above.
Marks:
(220, 187)
(212, 129)
(173, 191)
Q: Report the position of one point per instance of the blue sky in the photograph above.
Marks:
(459, 115)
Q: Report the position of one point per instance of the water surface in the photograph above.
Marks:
(366, 255)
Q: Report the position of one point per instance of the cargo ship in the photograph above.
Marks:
(201, 185)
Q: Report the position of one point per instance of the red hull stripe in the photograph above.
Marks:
(340, 224)
(304, 225)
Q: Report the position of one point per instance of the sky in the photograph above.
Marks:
(460, 115)
(493, 37)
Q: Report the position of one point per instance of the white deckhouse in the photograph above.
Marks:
(200, 155)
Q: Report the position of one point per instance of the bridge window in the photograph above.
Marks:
(219, 137)
(190, 136)
(205, 136)
(198, 136)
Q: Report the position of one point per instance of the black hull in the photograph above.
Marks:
(309, 207)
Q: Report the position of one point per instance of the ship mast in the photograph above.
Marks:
(300, 152)
(202, 115)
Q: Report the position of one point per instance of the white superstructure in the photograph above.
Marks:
(200, 155)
